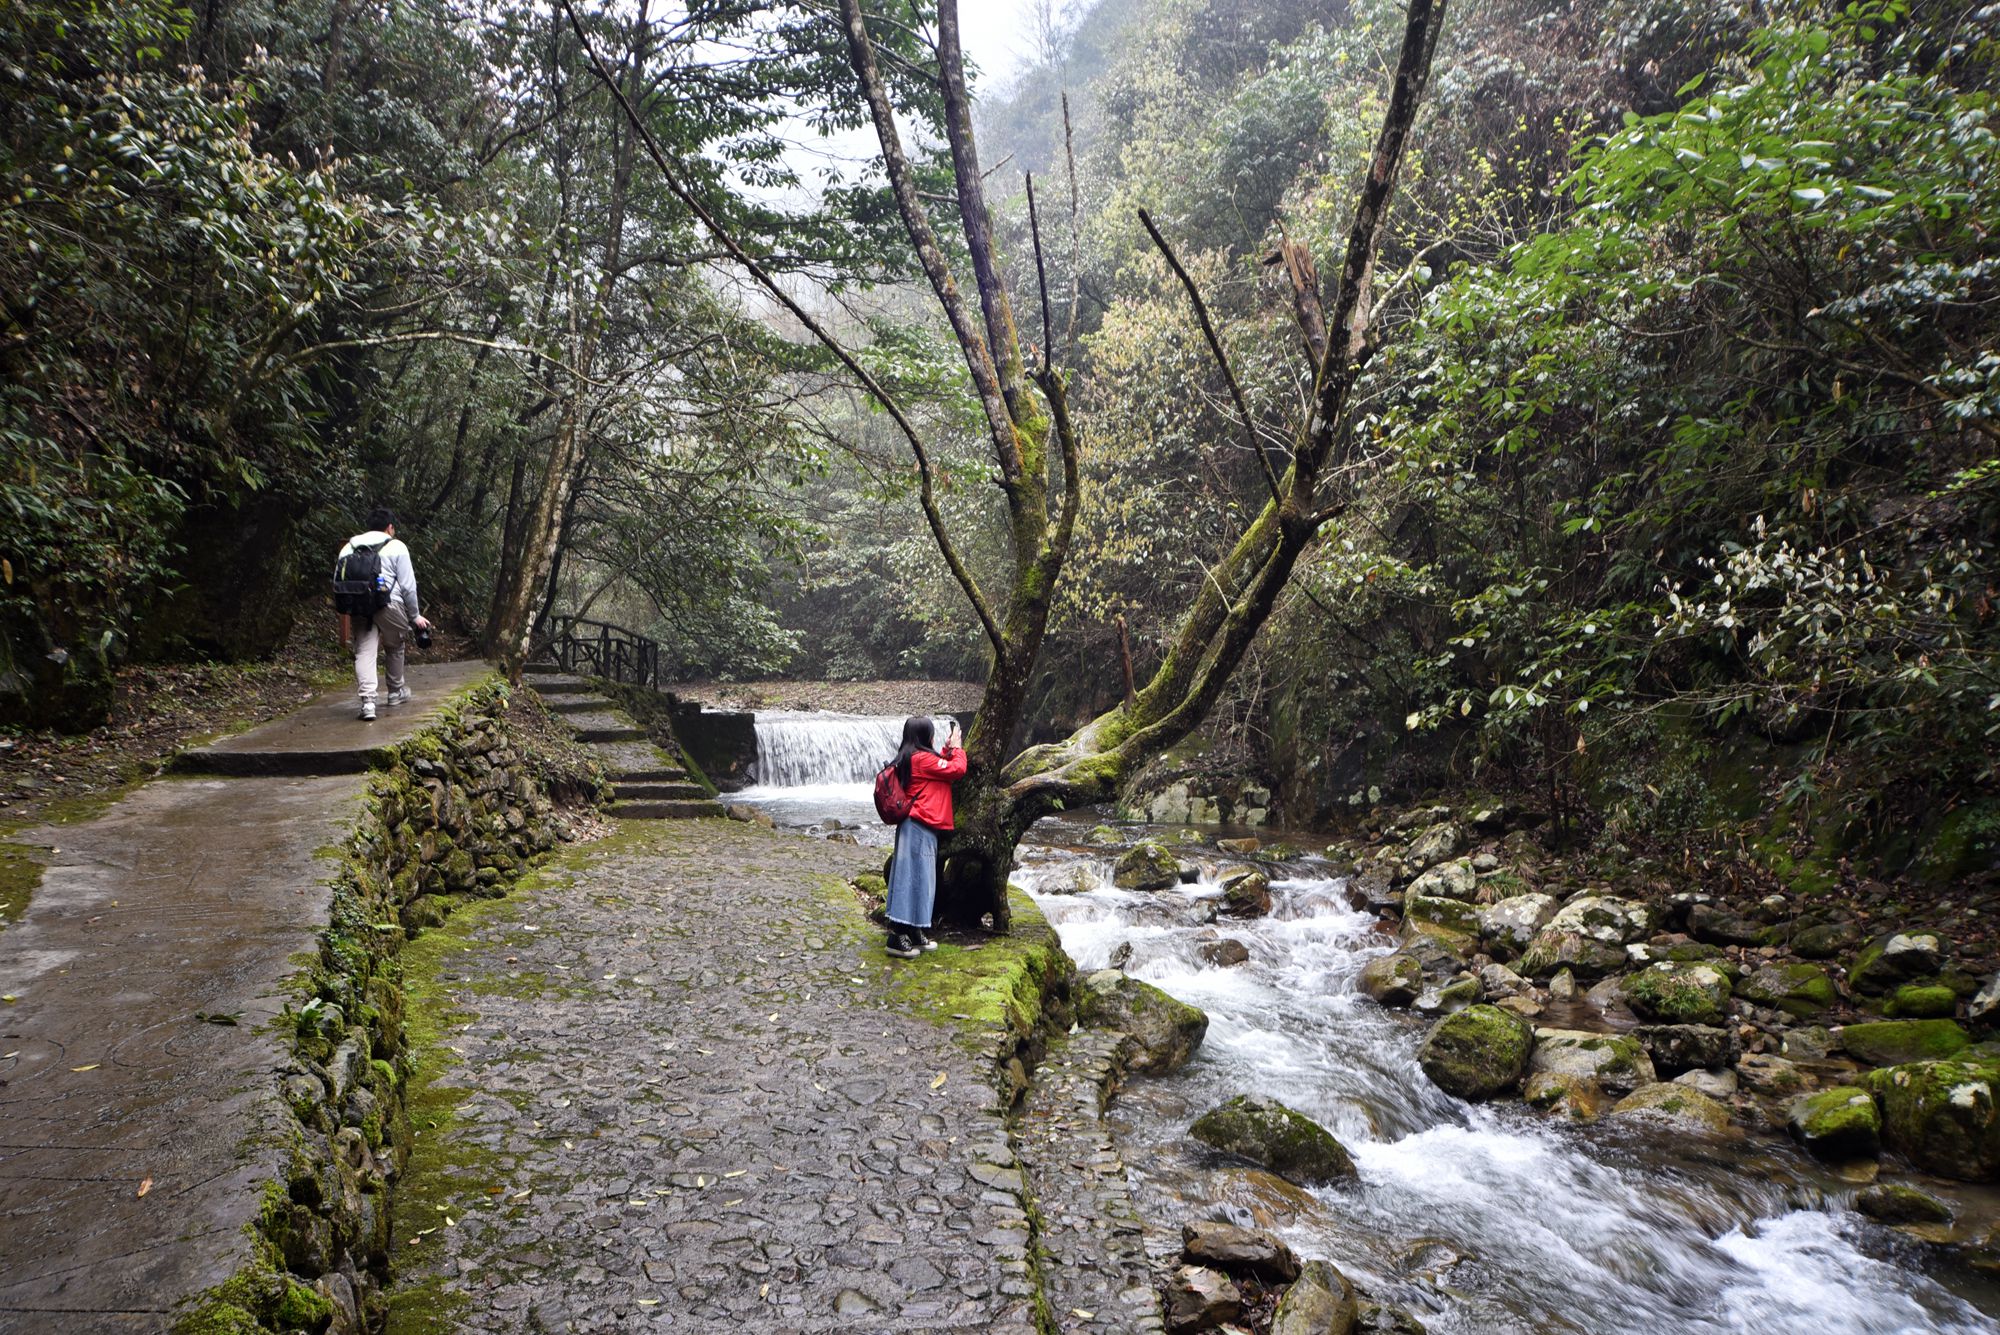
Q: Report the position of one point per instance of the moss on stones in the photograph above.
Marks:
(1268, 1133)
(1477, 1053)
(1007, 983)
(1146, 866)
(1898, 1042)
(1839, 1123)
(1943, 1116)
(1926, 1001)
(1800, 990)
(1679, 1104)
(1670, 993)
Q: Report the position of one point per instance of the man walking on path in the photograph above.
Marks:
(376, 585)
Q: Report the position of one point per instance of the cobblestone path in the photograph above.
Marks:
(683, 1102)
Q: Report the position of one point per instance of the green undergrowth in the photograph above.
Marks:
(20, 877)
(1004, 983)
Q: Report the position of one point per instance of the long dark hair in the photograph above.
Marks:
(919, 734)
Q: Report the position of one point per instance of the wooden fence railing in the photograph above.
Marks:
(600, 649)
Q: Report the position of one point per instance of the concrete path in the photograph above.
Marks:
(684, 1101)
(127, 1124)
(327, 737)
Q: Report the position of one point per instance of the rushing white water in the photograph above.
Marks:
(799, 748)
(1480, 1219)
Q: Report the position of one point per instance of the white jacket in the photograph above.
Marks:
(395, 563)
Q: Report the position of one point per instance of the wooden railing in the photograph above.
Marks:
(600, 649)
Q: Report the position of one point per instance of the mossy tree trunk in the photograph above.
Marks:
(1025, 414)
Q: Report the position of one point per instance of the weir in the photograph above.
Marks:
(799, 748)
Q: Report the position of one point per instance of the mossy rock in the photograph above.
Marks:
(1670, 993)
(1452, 914)
(1678, 1104)
(1824, 941)
(1394, 979)
(1605, 919)
(1899, 1042)
(1943, 1116)
(1437, 946)
(1576, 1097)
(1800, 990)
(1893, 958)
(1246, 894)
(1448, 880)
(1617, 1062)
(1921, 1001)
(1477, 1053)
(1839, 1123)
(1895, 1203)
(1147, 866)
(1268, 1133)
(1319, 1302)
(1553, 951)
(1166, 1029)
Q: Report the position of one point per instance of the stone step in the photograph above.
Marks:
(610, 733)
(634, 759)
(682, 810)
(577, 704)
(624, 778)
(541, 669)
(659, 792)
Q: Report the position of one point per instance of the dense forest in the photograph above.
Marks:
(1666, 490)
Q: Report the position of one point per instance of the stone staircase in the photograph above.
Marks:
(646, 782)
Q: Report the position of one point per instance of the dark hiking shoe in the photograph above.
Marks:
(902, 947)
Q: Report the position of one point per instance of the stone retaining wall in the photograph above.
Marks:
(460, 811)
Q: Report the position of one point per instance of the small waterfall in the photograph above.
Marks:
(797, 748)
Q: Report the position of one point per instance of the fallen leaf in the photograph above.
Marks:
(939, 1082)
(1079, 1312)
(649, 1302)
(737, 1201)
(764, 1292)
(92, 1067)
(523, 1195)
(144, 1187)
(738, 1173)
(10, 998)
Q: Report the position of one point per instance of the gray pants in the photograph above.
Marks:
(389, 632)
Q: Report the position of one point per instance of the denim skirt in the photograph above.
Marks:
(913, 874)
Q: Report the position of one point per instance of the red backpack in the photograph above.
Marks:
(892, 799)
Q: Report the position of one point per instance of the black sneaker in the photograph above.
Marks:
(902, 947)
(923, 942)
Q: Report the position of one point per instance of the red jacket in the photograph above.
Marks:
(931, 777)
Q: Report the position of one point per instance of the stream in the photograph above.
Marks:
(1477, 1218)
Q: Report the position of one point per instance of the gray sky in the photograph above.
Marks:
(997, 35)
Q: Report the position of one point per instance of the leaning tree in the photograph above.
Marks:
(1023, 402)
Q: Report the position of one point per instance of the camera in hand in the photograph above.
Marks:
(423, 637)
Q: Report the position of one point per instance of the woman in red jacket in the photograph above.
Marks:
(927, 775)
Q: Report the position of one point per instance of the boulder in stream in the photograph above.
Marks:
(1838, 1123)
(1381, 1319)
(1246, 893)
(1224, 954)
(1688, 1047)
(1617, 1062)
(1892, 958)
(1799, 990)
(1448, 880)
(1146, 866)
(1510, 926)
(1897, 1203)
(1576, 1097)
(1679, 993)
(1266, 1132)
(1677, 1104)
(1320, 1302)
(1436, 844)
(1240, 1251)
(1943, 1116)
(1605, 919)
(1899, 1042)
(1477, 1053)
(1200, 1299)
(1554, 951)
(1167, 1030)
(1394, 979)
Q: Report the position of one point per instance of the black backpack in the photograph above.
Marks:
(360, 584)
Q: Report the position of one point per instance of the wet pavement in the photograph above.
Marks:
(688, 1103)
(129, 1120)
(328, 736)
